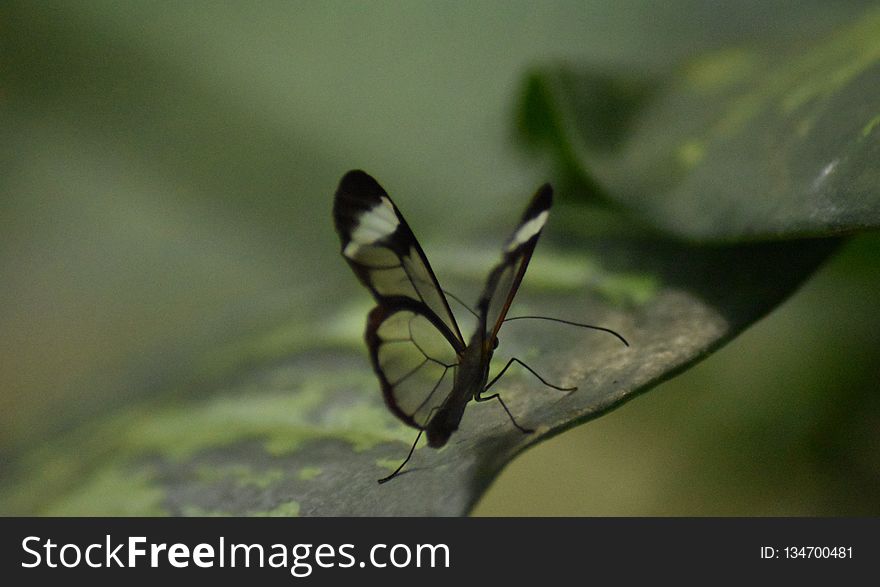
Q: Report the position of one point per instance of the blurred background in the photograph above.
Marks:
(167, 172)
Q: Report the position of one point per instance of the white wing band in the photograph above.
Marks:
(527, 231)
(375, 224)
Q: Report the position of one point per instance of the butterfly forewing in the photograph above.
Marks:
(504, 279)
(380, 247)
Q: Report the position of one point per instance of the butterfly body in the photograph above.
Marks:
(427, 372)
(470, 380)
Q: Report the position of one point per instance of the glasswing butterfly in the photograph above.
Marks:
(427, 371)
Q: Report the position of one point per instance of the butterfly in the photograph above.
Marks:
(428, 372)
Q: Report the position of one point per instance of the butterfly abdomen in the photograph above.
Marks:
(471, 377)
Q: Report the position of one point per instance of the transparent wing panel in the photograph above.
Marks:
(415, 363)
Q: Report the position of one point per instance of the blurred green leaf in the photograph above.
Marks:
(740, 144)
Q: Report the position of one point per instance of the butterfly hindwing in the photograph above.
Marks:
(414, 361)
(504, 279)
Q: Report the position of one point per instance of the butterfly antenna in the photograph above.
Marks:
(457, 299)
(608, 330)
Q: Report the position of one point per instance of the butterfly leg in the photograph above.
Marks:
(509, 415)
(532, 371)
(405, 461)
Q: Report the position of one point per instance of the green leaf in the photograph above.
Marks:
(292, 422)
(740, 144)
